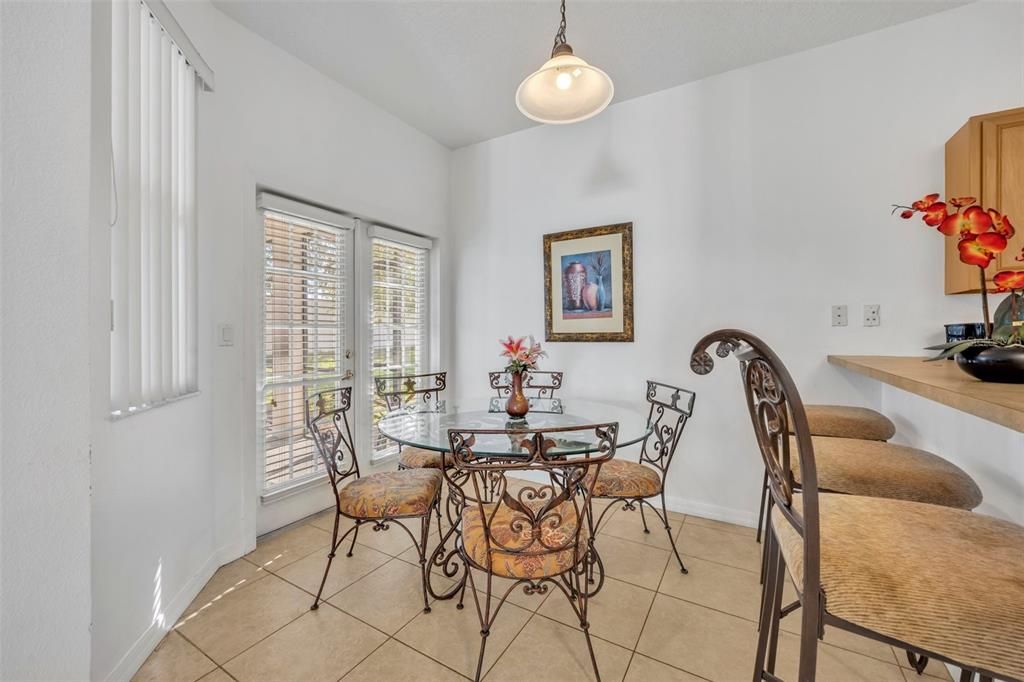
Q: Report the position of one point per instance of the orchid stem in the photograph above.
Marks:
(984, 304)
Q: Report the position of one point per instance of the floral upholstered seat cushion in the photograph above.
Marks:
(527, 556)
(943, 580)
(622, 478)
(421, 458)
(391, 494)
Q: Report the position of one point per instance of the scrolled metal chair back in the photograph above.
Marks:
(327, 421)
(539, 519)
(412, 392)
(536, 384)
(772, 401)
(670, 409)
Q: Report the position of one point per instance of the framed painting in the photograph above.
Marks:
(588, 284)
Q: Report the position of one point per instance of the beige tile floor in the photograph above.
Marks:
(650, 623)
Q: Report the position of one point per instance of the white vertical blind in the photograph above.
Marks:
(153, 350)
(399, 319)
(306, 310)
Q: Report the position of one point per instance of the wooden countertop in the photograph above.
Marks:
(945, 383)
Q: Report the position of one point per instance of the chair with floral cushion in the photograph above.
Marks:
(379, 499)
(937, 581)
(538, 386)
(635, 484)
(415, 393)
(534, 535)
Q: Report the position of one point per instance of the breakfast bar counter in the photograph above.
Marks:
(943, 382)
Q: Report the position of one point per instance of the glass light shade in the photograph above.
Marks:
(565, 90)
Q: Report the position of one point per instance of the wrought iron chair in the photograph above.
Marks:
(415, 393)
(634, 484)
(380, 499)
(538, 387)
(936, 581)
(537, 536)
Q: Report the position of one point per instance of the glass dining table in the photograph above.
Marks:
(429, 430)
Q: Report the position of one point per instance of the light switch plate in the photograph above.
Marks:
(225, 335)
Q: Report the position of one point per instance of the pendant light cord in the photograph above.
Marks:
(560, 36)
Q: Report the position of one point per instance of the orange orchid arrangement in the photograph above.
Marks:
(982, 234)
(522, 356)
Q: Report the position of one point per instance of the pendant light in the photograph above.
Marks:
(565, 89)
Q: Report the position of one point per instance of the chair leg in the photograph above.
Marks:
(760, 508)
(764, 549)
(644, 519)
(776, 606)
(767, 617)
(354, 536)
(668, 530)
(485, 625)
(576, 584)
(966, 675)
(918, 663)
(330, 557)
(424, 569)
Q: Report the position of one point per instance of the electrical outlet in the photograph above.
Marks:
(872, 315)
(839, 318)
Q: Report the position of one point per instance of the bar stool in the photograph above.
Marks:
(836, 421)
(937, 581)
(846, 421)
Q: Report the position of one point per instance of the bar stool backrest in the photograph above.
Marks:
(772, 400)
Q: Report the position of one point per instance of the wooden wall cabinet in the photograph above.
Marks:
(985, 159)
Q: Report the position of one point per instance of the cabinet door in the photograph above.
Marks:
(1002, 162)
(985, 159)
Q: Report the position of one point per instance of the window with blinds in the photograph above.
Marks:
(399, 320)
(153, 228)
(306, 294)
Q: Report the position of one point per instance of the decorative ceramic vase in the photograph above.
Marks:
(574, 279)
(996, 364)
(517, 405)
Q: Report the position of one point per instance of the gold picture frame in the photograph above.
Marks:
(592, 298)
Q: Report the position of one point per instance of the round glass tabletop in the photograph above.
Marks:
(429, 430)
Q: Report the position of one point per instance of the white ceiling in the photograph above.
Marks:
(451, 69)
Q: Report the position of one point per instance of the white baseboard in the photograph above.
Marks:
(740, 517)
(150, 638)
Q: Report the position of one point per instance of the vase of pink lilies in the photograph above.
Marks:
(522, 356)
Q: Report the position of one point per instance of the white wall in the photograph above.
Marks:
(759, 198)
(176, 491)
(989, 452)
(44, 373)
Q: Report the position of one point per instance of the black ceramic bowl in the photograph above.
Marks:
(993, 363)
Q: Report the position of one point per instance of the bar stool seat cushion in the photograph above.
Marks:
(421, 458)
(877, 469)
(622, 478)
(844, 421)
(944, 580)
(390, 494)
(512, 530)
